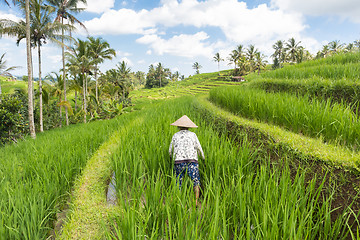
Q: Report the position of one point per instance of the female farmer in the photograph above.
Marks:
(184, 149)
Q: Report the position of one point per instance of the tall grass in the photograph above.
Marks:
(37, 174)
(338, 91)
(335, 72)
(242, 198)
(332, 122)
(341, 66)
(343, 58)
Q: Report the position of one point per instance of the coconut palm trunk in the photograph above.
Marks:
(64, 71)
(29, 70)
(84, 95)
(40, 92)
(96, 84)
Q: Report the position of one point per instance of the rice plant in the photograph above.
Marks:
(349, 71)
(332, 122)
(341, 90)
(242, 196)
(335, 68)
(36, 176)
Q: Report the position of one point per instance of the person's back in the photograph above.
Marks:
(184, 149)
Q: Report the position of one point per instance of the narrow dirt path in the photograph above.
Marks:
(89, 211)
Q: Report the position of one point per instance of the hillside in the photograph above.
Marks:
(9, 87)
(279, 163)
(197, 84)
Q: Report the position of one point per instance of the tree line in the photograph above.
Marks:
(250, 59)
(97, 95)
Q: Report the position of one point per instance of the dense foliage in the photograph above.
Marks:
(157, 76)
(13, 122)
(37, 175)
(242, 196)
(315, 118)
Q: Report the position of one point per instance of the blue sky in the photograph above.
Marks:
(178, 33)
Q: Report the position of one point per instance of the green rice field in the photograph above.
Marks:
(268, 171)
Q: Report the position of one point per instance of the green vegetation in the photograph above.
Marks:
(332, 122)
(197, 84)
(333, 78)
(349, 71)
(246, 192)
(9, 87)
(275, 137)
(243, 197)
(285, 165)
(37, 175)
(13, 123)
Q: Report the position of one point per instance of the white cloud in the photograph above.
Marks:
(96, 6)
(349, 9)
(181, 45)
(261, 25)
(9, 16)
(123, 21)
(127, 61)
(121, 53)
(235, 19)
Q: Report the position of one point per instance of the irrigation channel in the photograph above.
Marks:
(250, 188)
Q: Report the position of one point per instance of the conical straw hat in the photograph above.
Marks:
(184, 121)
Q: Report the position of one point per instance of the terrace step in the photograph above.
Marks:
(312, 147)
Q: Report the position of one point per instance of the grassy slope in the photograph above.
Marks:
(301, 145)
(8, 87)
(197, 84)
(335, 78)
(323, 78)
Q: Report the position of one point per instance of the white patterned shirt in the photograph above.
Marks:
(185, 145)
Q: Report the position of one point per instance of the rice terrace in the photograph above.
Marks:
(84, 151)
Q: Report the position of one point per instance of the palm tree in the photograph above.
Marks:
(279, 52)
(357, 44)
(140, 76)
(218, 59)
(76, 84)
(4, 70)
(239, 51)
(42, 29)
(7, 3)
(233, 57)
(325, 51)
(57, 89)
(159, 72)
(100, 50)
(260, 62)
(124, 75)
(196, 66)
(244, 66)
(176, 76)
(292, 48)
(350, 47)
(29, 68)
(80, 61)
(251, 51)
(64, 10)
(335, 46)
